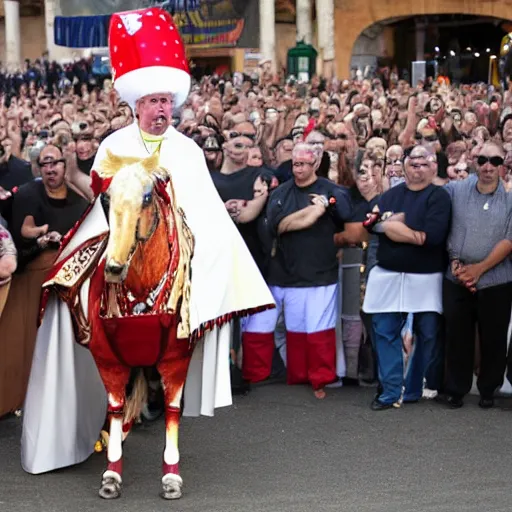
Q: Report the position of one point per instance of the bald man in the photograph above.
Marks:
(303, 214)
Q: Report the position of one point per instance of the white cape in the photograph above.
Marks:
(66, 402)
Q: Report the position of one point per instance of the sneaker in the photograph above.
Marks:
(377, 405)
(336, 384)
(429, 394)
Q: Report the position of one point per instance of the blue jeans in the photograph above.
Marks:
(387, 329)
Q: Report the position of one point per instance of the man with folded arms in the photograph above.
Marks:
(413, 227)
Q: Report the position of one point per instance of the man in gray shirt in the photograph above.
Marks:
(478, 284)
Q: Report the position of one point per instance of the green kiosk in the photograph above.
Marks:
(302, 61)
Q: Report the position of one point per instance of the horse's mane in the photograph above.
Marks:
(112, 164)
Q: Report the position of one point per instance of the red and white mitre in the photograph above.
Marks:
(147, 55)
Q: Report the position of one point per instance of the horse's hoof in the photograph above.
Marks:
(110, 488)
(171, 487)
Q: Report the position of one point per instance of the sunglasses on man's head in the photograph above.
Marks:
(233, 135)
(241, 145)
(495, 161)
(51, 163)
(428, 138)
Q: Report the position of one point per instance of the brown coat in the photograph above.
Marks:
(18, 328)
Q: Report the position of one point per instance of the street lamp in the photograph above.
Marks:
(452, 53)
(477, 55)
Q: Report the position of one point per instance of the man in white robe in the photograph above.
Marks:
(66, 401)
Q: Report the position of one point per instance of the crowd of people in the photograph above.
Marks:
(379, 217)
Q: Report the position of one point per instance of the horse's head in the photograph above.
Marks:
(134, 213)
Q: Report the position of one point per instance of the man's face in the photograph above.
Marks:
(52, 167)
(7, 150)
(317, 140)
(454, 152)
(284, 151)
(85, 148)
(304, 163)
(394, 162)
(470, 119)
(367, 178)
(362, 127)
(44, 108)
(155, 113)
(239, 140)
(489, 165)
(429, 138)
(378, 146)
(436, 104)
(507, 131)
(332, 112)
(420, 168)
(508, 163)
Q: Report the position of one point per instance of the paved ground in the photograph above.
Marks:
(280, 450)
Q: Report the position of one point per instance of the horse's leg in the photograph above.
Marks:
(115, 379)
(173, 369)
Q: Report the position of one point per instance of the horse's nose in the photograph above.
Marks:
(114, 268)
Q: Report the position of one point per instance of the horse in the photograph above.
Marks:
(139, 307)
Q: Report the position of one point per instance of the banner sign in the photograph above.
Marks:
(202, 23)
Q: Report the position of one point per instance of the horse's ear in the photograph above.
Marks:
(111, 164)
(150, 164)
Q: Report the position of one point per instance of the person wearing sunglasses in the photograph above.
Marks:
(42, 212)
(235, 183)
(477, 289)
(412, 222)
(428, 137)
(45, 209)
(244, 192)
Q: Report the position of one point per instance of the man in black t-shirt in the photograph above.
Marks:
(243, 189)
(303, 214)
(45, 210)
(244, 194)
(14, 172)
(408, 278)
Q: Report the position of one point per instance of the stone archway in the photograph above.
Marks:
(354, 16)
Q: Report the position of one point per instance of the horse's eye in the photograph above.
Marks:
(146, 199)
